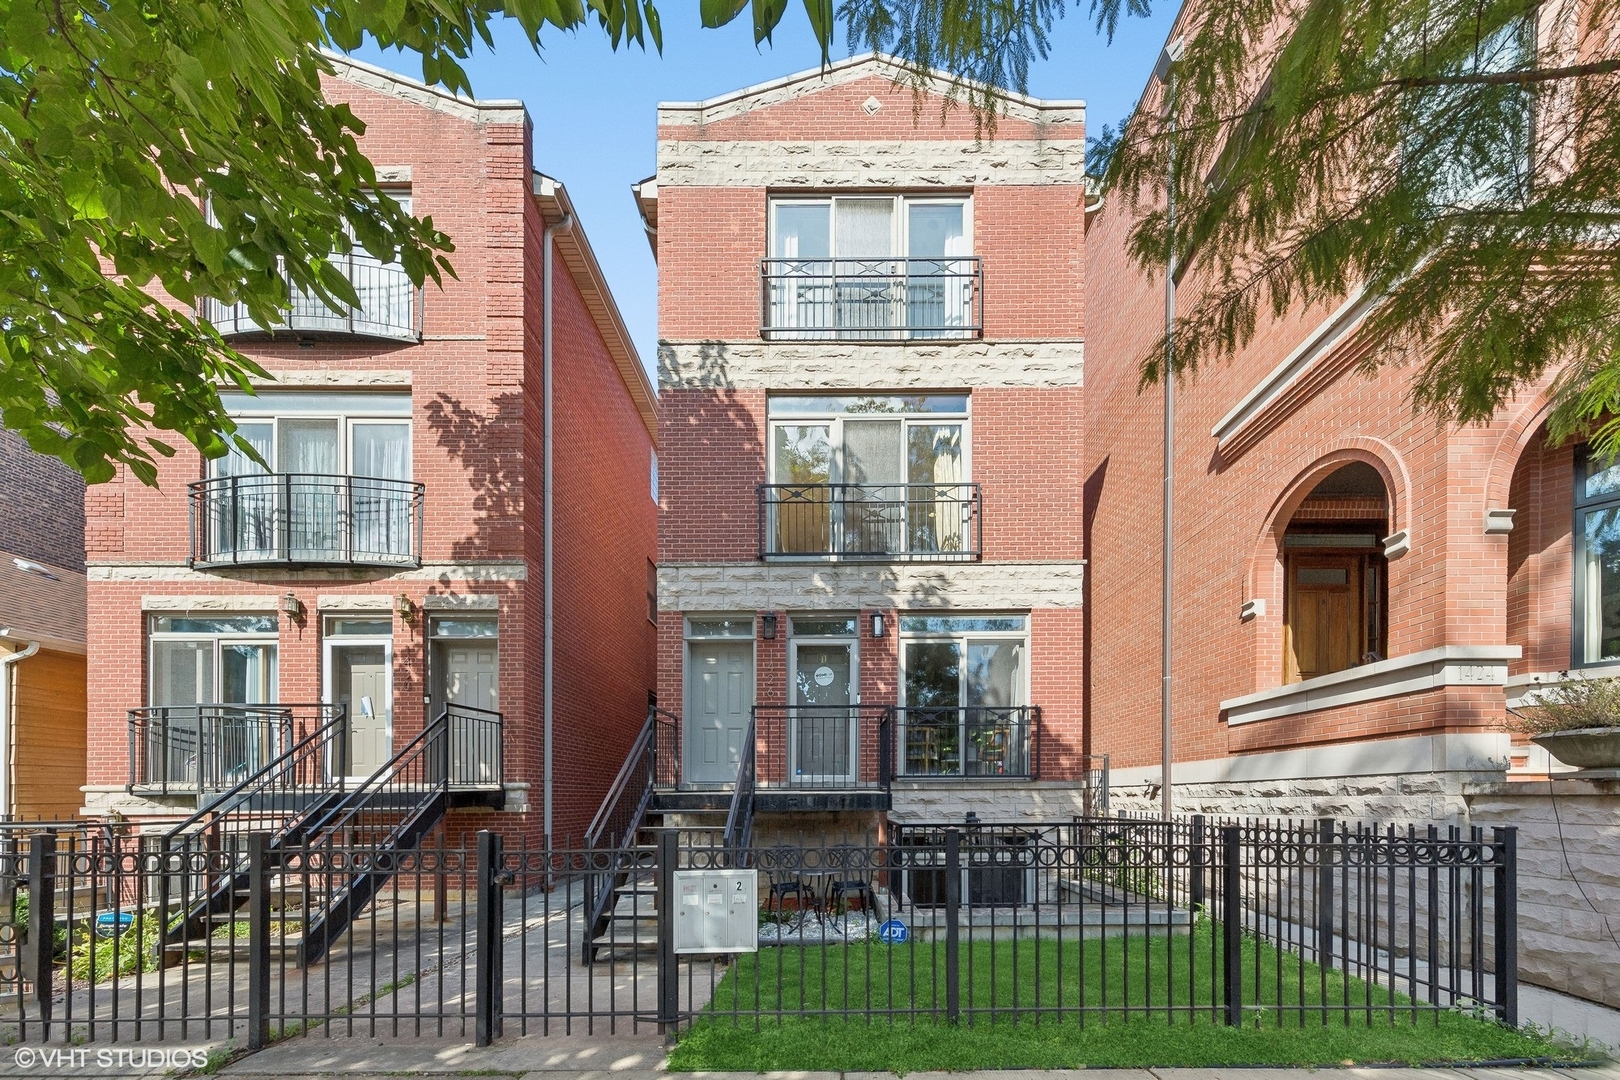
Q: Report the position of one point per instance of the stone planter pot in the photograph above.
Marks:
(1584, 748)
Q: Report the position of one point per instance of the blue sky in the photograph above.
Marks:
(594, 117)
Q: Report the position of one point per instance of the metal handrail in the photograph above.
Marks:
(871, 299)
(740, 816)
(303, 519)
(275, 791)
(800, 741)
(929, 522)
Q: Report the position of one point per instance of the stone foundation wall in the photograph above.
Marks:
(1569, 879)
(1002, 802)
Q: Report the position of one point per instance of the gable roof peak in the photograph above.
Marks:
(862, 65)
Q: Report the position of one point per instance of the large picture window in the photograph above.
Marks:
(871, 266)
(870, 476)
(964, 681)
(338, 480)
(212, 660)
(1597, 560)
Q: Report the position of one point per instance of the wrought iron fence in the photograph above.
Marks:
(390, 306)
(971, 741)
(302, 519)
(879, 299)
(900, 522)
(1246, 922)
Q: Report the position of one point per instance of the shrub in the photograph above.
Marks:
(1572, 703)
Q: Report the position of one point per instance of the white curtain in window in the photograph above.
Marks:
(382, 512)
(242, 513)
(803, 232)
(308, 451)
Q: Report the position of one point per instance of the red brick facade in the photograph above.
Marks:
(1454, 580)
(475, 386)
(854, 131)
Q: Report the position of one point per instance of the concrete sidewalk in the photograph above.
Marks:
(637, 1059)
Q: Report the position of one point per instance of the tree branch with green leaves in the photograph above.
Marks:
(1453, 160)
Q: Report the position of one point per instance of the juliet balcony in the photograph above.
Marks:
(305, 519)
(871, 522)
(390, 307)
(884, 299)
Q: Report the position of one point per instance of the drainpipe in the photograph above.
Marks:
(1165, 72)
(7, 727)
(563, 225)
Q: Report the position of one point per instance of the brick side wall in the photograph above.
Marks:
(41, 506)
(1231, 506)
(475, 386)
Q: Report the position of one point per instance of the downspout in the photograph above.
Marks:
(7, 727)
(550, 635)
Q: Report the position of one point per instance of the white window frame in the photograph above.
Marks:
(219, 640)
(962, 639)
(900, 220)
(348, 410)
(835, 434)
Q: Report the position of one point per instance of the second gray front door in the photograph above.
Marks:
(720, 690)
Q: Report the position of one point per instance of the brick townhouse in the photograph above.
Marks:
(42, 653)
(393, 558)
(1360, 592)
(870, 387)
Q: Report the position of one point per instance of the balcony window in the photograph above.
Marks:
(389, 307)
(871, 268)
(1597, 560)
(206, 674)
(964, 684)
(338, 489)
(870, 477)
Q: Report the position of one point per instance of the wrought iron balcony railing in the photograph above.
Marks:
(871, 299)
(973, 742)
(877, 522)
(822, 747)
(195, 749)
(390, 306)
(305, 519)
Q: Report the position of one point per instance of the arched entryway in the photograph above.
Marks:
(1335, 576)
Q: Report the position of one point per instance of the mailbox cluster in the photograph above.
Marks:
(716, 911)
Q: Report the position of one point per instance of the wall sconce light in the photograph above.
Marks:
(403, 607)
(767, 627)
(291, 606)
(878, 626)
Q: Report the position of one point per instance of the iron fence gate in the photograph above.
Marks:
(106, 938)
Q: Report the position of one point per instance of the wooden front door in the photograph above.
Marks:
(1323, 630)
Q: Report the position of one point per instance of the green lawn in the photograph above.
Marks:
(730, 1033)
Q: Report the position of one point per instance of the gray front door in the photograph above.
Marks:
(470, 677)
(360, 677)
(720, 690)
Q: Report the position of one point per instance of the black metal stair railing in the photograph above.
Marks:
(389, 813)
(278, 799)
(739, 834)
(653, 762)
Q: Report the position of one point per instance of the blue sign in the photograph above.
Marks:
(893, 932)
(111, 924)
